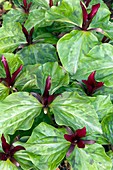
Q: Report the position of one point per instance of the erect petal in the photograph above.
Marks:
(17, 148)
(93, 11)
(31, 31)
(52, 97)
(29, 5)
(68, 137)
(87, 2)
(15, 74)
(80, 144)
(84, 12)
(99, 84)
(6, 67)
(81, 132)
(3, 156)
(50, 3)
(37, 96)
(47, 87)
(5, 145)
(70, 150)
(91, 78)
(25, 32)
(25, 3)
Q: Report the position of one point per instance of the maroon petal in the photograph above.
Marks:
(52, 97)
(85, 82)
(5, 145)
(80, 144)
(3, 156)
(87, 2)
(17, 148)
(47, 87)
(25, 3)
(6, 67)
(29, 5)
(68, 137)
(70, 150)
(81, 132)
(84, 12)
(37, 96)
(15, 74)
(25, 32)
(99, 84)
(90, 90)
(93, 11)
(50, 3)
(31, 31)
(91, 78)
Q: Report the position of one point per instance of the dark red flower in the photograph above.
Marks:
(91, 84)
(29, 35)
(26, 6)
(51, 3)
(87, 18)
(10, 79)
(76, 139)
(87, 2)
(9, 151)
(46, 98)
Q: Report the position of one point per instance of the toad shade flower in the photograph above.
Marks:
(91, 84)
(10, 79)
(76, 139)
(9, 151)
(28, 35)
(46, 98)
(87, 18)
(51, 3)
(87, 2)
(26, 6)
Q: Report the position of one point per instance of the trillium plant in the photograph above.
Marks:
(56, 85)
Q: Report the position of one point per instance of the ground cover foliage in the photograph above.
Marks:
(56, 85)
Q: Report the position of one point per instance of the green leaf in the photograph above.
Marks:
(75, 111)
(102, 105)
(14, 15)
(37, 18)
(7, 165)
(100, 58)
(102, 16)
(4, 91)
(27, 80)
(18, 111)
(92, 157)
(38, 53)
(14, 63)
(110, 154)
(58, 75)
(43, 35)
(47, 146)
(73, 46)
(68, 11)
(24, 160)
(9, 40)
(7, 5)
(107, 127)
